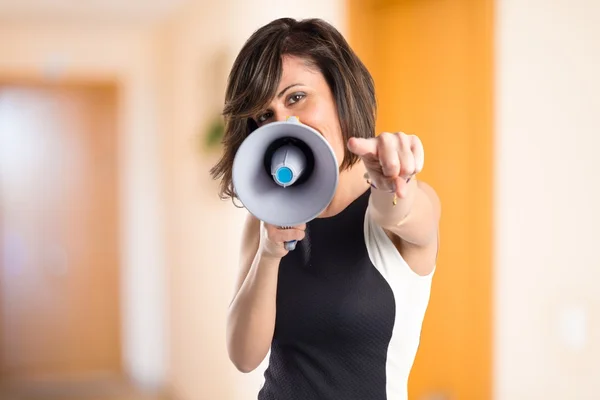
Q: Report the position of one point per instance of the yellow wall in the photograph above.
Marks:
(432, 63)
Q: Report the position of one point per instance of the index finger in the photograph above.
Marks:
(362, 147)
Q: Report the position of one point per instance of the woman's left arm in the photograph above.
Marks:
(400, 203)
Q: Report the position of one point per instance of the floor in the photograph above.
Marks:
(98, 389)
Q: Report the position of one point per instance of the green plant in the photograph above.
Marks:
(214, 133)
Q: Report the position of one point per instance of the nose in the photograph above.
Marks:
(280, 112)
(280, 115)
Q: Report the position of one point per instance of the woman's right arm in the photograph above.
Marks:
(251, 318)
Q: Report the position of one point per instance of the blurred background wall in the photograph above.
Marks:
(53, 48)
(547, 304)
(515, 314)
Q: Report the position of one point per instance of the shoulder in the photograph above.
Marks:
(392, 258)
(251, 224)
(420, 253)
(250, 237)
(422, 260)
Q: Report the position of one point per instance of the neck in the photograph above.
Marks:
(351, 185)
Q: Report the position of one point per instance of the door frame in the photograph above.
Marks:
(83, 81)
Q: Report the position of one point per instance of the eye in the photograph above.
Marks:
(296, 97)
(264, 117)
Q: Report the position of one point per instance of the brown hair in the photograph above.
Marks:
(256, 73)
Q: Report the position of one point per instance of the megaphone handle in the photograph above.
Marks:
(291, 245)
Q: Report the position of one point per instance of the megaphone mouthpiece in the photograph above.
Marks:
(287, 165)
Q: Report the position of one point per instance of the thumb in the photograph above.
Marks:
(362, 147)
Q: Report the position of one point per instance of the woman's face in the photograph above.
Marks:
(304, 93)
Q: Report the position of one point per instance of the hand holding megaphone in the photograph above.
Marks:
(271, 238)
(285, 174)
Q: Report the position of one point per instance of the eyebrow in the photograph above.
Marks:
(287, 88)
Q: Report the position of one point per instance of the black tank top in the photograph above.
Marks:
(335, 316)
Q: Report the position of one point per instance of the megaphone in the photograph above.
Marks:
(285, 174)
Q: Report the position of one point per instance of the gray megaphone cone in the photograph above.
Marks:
(285, 173)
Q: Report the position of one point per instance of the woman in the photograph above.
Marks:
(342, 313)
